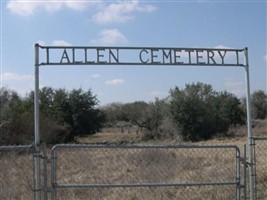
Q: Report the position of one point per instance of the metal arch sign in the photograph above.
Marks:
(78, 55)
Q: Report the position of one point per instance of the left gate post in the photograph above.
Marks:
(37, 181)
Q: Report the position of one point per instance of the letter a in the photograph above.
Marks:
(65, 56)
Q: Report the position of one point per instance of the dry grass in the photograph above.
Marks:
(123, 166)
(16, 175)
(108, 136)
(139, 166)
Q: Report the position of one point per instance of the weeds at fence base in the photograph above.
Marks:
(16, 175)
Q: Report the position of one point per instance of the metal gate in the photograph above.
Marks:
(144, 172)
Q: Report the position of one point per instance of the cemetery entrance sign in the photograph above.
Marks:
(141, 56)
(83, 55)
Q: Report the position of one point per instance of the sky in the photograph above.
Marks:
(151, 23)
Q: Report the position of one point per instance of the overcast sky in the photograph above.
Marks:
(195, 24)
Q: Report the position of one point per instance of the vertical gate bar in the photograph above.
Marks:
(37, 191)
(245, 171)
(249, 127)
(53, 174)
(255, 166)
(238, 185)
(45, 171)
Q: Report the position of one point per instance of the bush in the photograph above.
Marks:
(199, 112)
(63, 115)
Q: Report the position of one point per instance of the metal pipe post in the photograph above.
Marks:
(249, 128)
(37, 188)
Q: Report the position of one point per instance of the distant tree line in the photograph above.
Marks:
(64, 115)
(196, 112)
